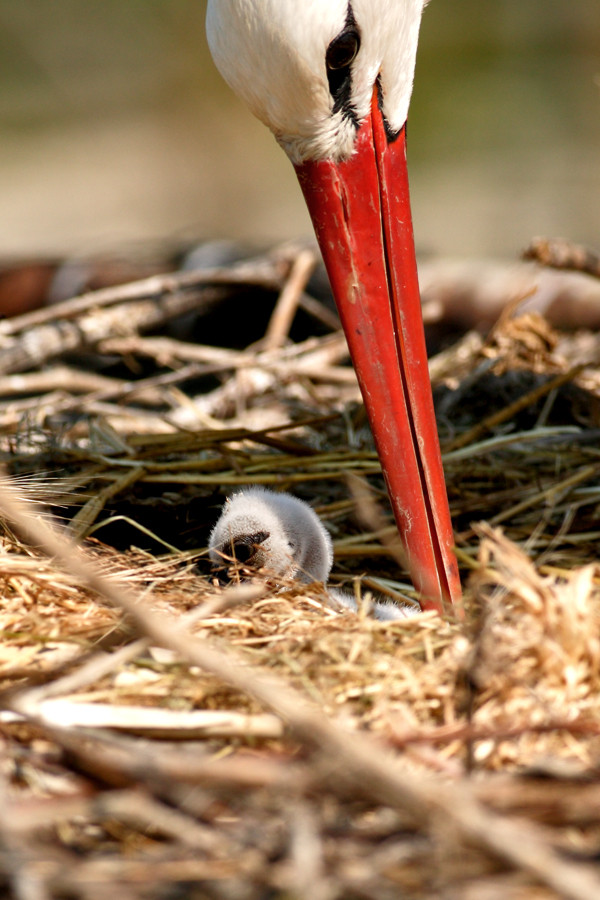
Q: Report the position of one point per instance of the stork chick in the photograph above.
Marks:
(282, 536)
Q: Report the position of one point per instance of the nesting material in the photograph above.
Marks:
(166, 734)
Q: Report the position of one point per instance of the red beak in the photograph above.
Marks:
(361, 214)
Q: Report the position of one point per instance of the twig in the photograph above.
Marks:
(289, 299)
(170, 724)
(120, 759)
(559, 253)
(132, 806)
(512, 409)
(500, 441)
(546, 494)
(467, 731)
(87, 515)
(46, 342)
(266, 271)
(124, 310)
(471, 293)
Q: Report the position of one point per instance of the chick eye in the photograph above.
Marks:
(342, 50)
(245, 546)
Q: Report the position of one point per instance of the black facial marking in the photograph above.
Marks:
(340, 55)
(244, 546)
(241, 549)
(389, 132)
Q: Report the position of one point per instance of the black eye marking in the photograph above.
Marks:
(244, 546)
(340, 55)
(242, 549)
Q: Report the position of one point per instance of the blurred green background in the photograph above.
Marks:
(115, 129)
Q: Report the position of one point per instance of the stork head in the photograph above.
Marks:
(308, 69)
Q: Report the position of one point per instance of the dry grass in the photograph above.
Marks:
(163, 737)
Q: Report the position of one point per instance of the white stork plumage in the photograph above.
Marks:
(282, 537)
(332, 79)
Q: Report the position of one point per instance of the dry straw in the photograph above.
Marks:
(159, 730)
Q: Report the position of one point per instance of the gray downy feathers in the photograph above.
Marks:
(284, 537)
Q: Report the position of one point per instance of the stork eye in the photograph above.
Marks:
(342, 50)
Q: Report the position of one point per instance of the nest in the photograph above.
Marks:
(166, 737)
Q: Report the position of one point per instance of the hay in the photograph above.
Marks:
(165, 737)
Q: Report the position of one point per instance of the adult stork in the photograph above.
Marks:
(332, 79)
